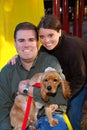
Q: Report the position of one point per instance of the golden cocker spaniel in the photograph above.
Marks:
(50, 81)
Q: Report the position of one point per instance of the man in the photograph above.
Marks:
(28, 63)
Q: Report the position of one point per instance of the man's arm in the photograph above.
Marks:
(5, 104)
(4, 111)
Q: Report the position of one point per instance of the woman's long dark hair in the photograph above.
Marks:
(50, 22)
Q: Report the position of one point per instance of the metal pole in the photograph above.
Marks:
(56, 8)
(80, 19)
(65, 16)
(75, 21)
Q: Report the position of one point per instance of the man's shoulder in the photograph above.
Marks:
(8, 68)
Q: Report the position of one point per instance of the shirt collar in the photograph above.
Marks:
(20, 64)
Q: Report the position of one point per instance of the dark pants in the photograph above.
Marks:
(75, 108)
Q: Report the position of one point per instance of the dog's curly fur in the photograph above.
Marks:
(84, 118)
(50, 81)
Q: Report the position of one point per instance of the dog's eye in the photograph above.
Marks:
(45, 80)
(55, 80)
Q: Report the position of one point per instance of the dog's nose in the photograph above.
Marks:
(49, 87)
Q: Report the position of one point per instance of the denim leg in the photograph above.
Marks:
(75, 105)
(43, 124)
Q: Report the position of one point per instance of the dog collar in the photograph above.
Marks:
(38, 85)
(25, 91)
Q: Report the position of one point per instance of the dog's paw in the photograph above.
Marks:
(53, 107)
(32, 125)
(32, 128)
(54, 122)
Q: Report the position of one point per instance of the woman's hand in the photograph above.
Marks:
(13, 60)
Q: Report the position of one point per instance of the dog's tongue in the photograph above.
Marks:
(36, 85)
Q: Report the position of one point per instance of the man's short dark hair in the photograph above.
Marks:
(26, 26)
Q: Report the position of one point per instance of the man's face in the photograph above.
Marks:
(26, 45)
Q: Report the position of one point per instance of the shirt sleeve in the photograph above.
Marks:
(4, 112)
(77, 71)
(5, 105)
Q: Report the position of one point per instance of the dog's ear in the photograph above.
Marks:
(66, 89)
(44, 95)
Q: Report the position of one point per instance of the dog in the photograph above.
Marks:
(50, 81)
(84, 118)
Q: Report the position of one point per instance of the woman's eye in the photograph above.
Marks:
(50, 35)
(41, 37)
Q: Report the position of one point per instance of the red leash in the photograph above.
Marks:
(28, 108)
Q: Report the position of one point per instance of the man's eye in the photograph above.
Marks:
(21, 40)
(31, 39)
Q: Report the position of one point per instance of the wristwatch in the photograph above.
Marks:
(25, 91)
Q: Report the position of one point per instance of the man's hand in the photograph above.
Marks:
(22, 85)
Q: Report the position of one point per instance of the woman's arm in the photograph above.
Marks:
(12, 61)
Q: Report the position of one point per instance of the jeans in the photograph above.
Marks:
(42, 123)
(75, 105)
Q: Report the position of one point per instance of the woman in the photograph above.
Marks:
(72, 55)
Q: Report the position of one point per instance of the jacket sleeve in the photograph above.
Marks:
(5, 105)
(77, 71)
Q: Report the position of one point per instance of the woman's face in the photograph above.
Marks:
(49, 38)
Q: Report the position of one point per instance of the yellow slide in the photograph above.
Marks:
(13, 12)
(67, 121)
